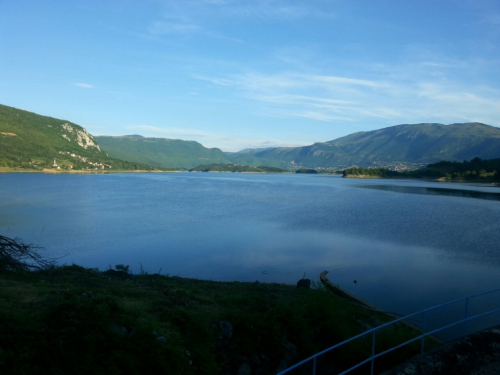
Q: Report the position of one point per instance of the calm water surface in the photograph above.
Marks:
(409, 244)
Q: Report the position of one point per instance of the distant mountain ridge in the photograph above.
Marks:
(30, 140)
(408, 144)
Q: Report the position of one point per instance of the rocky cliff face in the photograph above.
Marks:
(79, 135)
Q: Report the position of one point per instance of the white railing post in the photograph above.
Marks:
(373, 352)
(424, 317)
(466, 317)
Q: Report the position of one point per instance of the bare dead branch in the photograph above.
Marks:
(15, 255)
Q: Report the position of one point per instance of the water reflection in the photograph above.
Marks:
(406, 252)
(435, 191)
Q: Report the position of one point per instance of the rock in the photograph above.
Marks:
(88, 295)
(245, 369)
(119, 331)
(304, 283)
(158, 337)
(224, 333)
(289, 357)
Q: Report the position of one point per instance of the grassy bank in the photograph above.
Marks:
(72, 320)
(76, 320)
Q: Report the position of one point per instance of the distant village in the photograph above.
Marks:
(84, 159)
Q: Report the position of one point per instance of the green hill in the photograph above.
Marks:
(32, 141)
(417, 144)
(258, 158)
(161, 152)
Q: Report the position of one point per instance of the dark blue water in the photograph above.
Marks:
(409, 244)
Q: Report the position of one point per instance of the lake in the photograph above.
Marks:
(409, 244)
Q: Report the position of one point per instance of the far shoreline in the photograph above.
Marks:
(107, 171)
(52, 171)
(440, 179)
(95, 171)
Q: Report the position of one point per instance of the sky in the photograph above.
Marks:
(237, 74)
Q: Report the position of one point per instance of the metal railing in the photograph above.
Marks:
(454, 318)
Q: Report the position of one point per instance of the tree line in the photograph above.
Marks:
(476, 169)
(236, 168)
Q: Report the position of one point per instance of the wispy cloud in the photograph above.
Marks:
(161, 28)
(322, 98)
(266, 10)
(276, 10)
(435, 64)
(332, 80)
(209, 17)
(291, 81)
(217, 81)
(84, 85)
(297, 99)
(177, 28)
(321, 116)
(460, 103)
(339, 99)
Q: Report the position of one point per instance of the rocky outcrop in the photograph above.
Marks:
(80, 135)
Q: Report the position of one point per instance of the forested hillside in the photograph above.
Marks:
(410, 145)
(31, 141)
(161, 152)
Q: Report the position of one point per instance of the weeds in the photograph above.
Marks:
(72, 320)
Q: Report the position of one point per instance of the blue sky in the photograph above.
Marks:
(241, 74)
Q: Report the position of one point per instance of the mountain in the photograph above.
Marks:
(32, 141)
(417, 144)
(161, 152)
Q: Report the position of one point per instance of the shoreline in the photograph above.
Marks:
(337, 290)
(440, 179)
(52, 171)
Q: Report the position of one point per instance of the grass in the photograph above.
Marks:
(72, 320)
